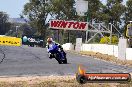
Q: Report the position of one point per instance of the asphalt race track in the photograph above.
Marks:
(21, 61)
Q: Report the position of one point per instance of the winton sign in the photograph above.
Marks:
(68, 25)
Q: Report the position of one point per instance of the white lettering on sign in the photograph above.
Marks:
(69, 25)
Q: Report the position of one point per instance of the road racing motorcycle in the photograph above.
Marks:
(55, 52)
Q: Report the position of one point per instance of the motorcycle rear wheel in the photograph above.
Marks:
(57, 57)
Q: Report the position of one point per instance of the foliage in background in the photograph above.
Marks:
(128, 12)
(4, 24)
(96, 39)
(127, 16)
(112, 12)
(64, 10)
(93, 9)
(38, 10)
(106, 40)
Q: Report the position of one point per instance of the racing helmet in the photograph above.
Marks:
(49, 40)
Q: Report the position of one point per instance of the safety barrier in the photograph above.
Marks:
(68, 46)
(101, 48)
(10, 41)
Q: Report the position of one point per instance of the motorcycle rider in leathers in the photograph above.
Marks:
(50, 42)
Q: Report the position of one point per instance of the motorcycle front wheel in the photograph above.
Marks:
(65, 60)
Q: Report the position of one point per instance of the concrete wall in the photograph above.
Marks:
(68, 46)
(101, 48)
(122, 45)
(129, 53)
(115, 51)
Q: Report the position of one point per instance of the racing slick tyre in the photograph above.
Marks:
(65, 61)
(57, 57)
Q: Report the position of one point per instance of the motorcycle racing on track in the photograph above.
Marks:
(56, 51)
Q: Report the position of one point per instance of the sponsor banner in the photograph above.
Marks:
(10, 41)
(117, 77)
(83, 77)
(68, 25)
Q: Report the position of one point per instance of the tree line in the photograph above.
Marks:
(4, 24)
(113, 11)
